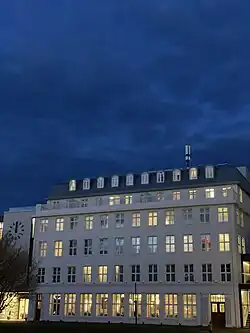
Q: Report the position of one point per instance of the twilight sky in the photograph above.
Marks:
(95, 87)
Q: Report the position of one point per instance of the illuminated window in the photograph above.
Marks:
(170, 243)
(101, 305)
(43, 247)
(189, 273)
(240, 195)
(169, 216)
(205, 242)
(135, 305)
(217, 298)
(193, 174)
(43, 225)
(136, 244)
(103, 246)
(160, 177)
(209, 193)
(209, 171)
(171, 306)
(72, 247)
(241, 218)
(176, 195)
(119, 271)
(88, 222)
(189, 306)
(103, 274)
(115, 181)
(176, 175)
(119, 245)
(136, 219)
(86, 184)
(70, 304)
(87, 274)
(153, 305)
(72, 185)
(170, 273)
(129, 180)
(59, 224)
(41, 275)
(100, 182)
(119, 220)
(144, 178)
(1, 230)
(104, 221)
(128, 199)
(152, 218)
(159, 196)
(58, 248)
(87, 246)
(224, 242)
(71, 274)
(188, 243)
(118, 305)
(206, 272)
(225, 191)
(152, 244)
(85, 305)
(56, 275)
(222, 214)
(114, 200)
(54, 304)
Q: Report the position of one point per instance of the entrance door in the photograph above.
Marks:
(218, 314)
(38, 307)
(23, 308)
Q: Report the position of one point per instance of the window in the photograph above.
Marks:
(240, 217)
(84, 202)
(86, 184)
(188, 243)
(222, 214)
(103, 274)
(115, 181)
(129, 180)
(170, 273)
(204, 215)
(136, 219)
(160, 196)
(100, 182)
(225, 191)
(88, 222)
(171, 306)
(136, 273)
(209, 193)
(44, 223)
(144, 178)
(136, 244)
(193, 174)
(241, 195)
(58, 248)
(176, 175)
(189, 306)
(128, 199)
(152, 219)
(1, 230)
(87, 246)
(209, 171)
(192, 194)
(189, 273)
(73, 222)
(241, 244)
(145, 198)
(73, 247)
(169, 216)
(160, 177)
(114, 200)
(43, 247)
(153, 305)
(119, 220)
(70, 304)
(54, 304)
(101, 305)
(41, 275)
(224, 242)
(99, 201)
(206, 272)
(135, 305)
(118, 305)
(59, 224)
(176, 195)
(119, 245)
(187, 214)
(152, 244)
(71, 274)
(72, 185)
(119, 273)
(85, 305)
(87, 274)
(225, 272)
(205, 242)
(104, 221)
(56, 275)
(170, 243)
(103, 246)
(152, 273)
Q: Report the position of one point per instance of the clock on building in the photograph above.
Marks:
(16, 230)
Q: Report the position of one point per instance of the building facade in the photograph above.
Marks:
(158, 247)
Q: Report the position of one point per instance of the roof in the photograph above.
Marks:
(223, 174)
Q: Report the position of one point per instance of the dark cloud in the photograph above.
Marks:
(103, 87)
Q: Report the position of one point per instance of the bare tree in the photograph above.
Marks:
(17, 271)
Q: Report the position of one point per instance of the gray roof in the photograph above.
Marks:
(223, 174)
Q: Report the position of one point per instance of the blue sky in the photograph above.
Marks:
(93, 87)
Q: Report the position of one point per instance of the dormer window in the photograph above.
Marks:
(160, 177)
(130, 180)
(193, 174)
(72, 185)
(209, 171)
(144, 178)
(100, 182)
(86, 184)
(115, 181)
(176, 175)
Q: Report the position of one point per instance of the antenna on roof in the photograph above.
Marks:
(187, 155)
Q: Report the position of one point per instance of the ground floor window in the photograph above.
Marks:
(135, 301)
(101, 304)
(85, 304)
(70, 304)
(54, 304)
(118, 305)
(189, 306)
(171, 306)
(153, 305)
